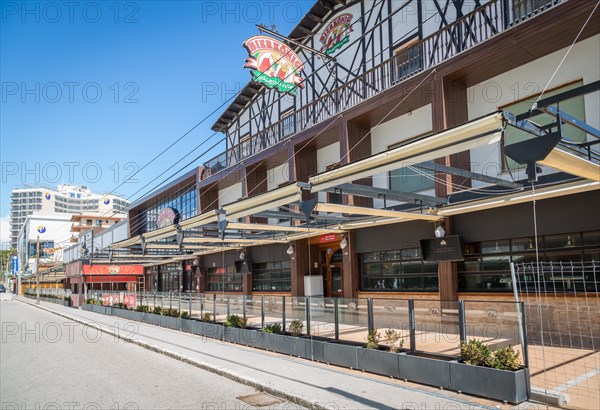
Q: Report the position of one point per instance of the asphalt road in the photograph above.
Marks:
(49, 362)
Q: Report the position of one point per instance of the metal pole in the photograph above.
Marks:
(307, 299)
(283, 314)
(336, 319)
(462, 325)
(523, 329)
(262, 312)
(37, 271)
(370, 324)
(411, 325)
(520, 315)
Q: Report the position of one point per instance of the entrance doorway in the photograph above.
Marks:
(331, 257)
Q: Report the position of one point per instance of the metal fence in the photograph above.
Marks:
(50, 292)
(563, 327)
(425, 326)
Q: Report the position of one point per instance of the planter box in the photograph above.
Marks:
(170, 322)
(425, 370)
(231, 334)
(280, 343)
(341, 355)
(253, 338)
(310, 349)
(212, 330)
(86, 307)
(379, 362)
(100, 309)
(496, 384)
(152, 319)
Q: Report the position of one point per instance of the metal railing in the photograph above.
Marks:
(425, 326)
(473, 28)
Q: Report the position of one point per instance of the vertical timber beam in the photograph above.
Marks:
(449, 109)
(355, 144)
(350, 269)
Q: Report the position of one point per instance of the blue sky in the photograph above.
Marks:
(95, 87)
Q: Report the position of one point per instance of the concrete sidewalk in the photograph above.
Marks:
(304, 382)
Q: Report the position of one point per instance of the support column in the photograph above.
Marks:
(449, 109)
(355, 144)
(350, 276)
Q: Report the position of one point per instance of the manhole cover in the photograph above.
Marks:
(260, 400)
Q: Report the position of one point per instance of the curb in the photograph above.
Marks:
(201, 365)
(552, 397)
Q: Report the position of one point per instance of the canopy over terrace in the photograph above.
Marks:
(231, 227)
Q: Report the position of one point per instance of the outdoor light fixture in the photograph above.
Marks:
(343, 243)
(440, 232)
(242, 255)
(290, 250)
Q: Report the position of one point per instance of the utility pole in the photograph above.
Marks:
(37, 270)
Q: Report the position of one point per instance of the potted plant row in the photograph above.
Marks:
(479, 371)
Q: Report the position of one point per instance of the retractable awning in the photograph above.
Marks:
(481, 132)
(572, 164)
(357, 210)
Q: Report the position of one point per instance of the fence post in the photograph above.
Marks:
(179, 303)
(370, 321)
(244, 306)
(228, 308)
(215, 307)
(307, 307)
(411, 325)
(262, 312)
(190, 304)
(170, 300)
(462, 326)
(336, 319)
(524, 344)
(201, 306)
(283, 314)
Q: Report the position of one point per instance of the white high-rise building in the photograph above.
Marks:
(66, 199)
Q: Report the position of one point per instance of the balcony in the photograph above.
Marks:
(472, 29)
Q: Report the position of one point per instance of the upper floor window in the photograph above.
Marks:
(288, 124)
(245, 150)
(407, 58)
(526, 8)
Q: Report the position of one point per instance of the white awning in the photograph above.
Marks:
(572, 164)
(357, 210)
(481, 132)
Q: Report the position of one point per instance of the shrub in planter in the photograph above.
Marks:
(295, 328)
(475, 353)
(373, 339)
(394, 340)
(157, 310)
(505, 358)
(120, 305)
(143, 308)
(184, 315)
(273, 328)
(236, 321)
(169, 312)
(206, 317)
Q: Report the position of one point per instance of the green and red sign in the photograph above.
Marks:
(336, 34)
(273, 64)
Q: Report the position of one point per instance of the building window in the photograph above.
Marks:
(398, 270)
(573, 106)
(486, 267)
(526, 8)
(288, 124)
(223, 279)
(272, 276)
(407, 58)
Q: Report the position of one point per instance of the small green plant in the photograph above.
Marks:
(120, 305)
(184, 315)
(296, 327)
(235, 321)
(476, 353)
(206, 317)
(143, 308)
(373, 339)
(169, 312)
(273, 328)
(91, 302)
(157, 310)
(394, 340)
(505, 358)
